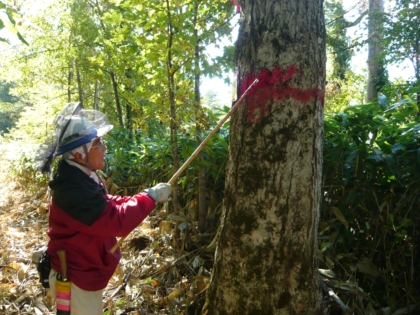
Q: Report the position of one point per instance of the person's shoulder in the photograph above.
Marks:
(84, 200)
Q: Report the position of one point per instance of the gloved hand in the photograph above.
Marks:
(160, 192)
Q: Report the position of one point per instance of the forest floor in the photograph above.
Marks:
(155, 275)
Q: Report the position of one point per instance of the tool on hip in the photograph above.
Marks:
(63, 286)
(200, 147)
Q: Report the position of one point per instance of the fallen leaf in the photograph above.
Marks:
(340, 216)
(366, 266)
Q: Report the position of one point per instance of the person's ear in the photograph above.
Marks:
(78, 158)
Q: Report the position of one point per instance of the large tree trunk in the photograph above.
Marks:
(265, 261)
(376, 70)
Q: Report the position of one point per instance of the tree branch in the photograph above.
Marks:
(357, 21)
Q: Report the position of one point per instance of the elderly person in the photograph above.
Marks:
(84, 219)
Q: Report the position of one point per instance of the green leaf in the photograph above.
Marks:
(397, 147)
(399, 116)
(406, 222)
(352, 156)
(396, 105)
(352, 195)
(391, 164)
(385, 147)
(22, 39)
(10, 14)
(325, 246)
(382, 100)
(375, 157)
(222, 141)
(415, 89)
(391, 218)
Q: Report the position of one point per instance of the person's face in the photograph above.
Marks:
(97, 154)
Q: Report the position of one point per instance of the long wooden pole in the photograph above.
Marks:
(211, 134)
(199, 148)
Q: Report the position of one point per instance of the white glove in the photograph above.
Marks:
(160, 192)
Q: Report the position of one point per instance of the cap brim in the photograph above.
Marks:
(104, 130)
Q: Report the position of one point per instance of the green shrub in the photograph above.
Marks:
(371, 199)
(24, 169)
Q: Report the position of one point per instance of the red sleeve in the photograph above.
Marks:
(120, 216)
(118, 199)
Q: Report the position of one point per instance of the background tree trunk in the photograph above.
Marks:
(79, 83)
(96, 103)
(69, 83)
(129, 117)
(202, 208)
(174, 124)
(265, 261)
(117, 99)
(376, 69)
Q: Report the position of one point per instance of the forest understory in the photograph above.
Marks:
(165, 266)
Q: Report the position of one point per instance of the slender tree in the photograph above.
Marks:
(69, 83)
(339, 47)
(402, 36)
(170, 69)
(337, 39)
(376, 69)
(202, 210)
(96, 103)
(265, 261)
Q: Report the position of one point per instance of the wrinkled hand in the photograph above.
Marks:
(160, 192)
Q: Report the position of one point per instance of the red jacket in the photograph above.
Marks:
(85, 221)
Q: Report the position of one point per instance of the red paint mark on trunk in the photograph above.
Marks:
(275, 85)
(238, 7)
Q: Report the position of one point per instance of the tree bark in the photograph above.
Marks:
(265, 260)
(376, 70)
(117, 99)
